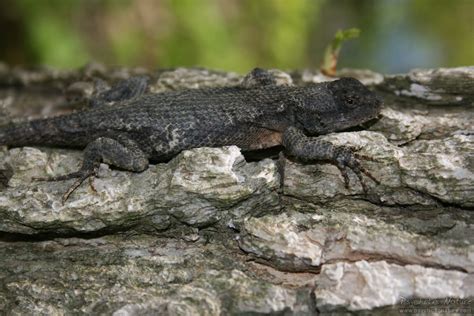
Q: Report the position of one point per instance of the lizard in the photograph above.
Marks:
(143, 127)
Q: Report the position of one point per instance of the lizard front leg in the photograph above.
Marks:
(314, 149)
(122, 153)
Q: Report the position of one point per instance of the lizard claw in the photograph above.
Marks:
(344, 174)
(74, 186)
(363, 157)
(72, 175)
(346, 159)
(80, 175)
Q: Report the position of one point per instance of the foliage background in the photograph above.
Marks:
(236, 35)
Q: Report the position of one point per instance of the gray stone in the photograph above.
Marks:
(184, 78)
(136, 276)
(442, 86)
(365, 285)
(296, 241)
(199, 187)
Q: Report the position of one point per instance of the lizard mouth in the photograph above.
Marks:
(367, 124)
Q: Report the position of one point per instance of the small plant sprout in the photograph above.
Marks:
(331, 54)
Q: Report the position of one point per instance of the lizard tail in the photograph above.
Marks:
(36, 132)
(20, 134)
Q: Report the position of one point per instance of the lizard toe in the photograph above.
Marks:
(68, 176)
(343, 170)
(346, 159)
(81, 176)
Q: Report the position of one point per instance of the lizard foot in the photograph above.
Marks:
(80, 175)
(316, 149)
(346, 160)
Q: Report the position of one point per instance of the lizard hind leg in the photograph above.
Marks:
(121, 152)
(258, 77)
(127, 89)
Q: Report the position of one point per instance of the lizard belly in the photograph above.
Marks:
(265, 139)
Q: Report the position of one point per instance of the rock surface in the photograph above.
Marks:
(211, 233)
(198, 188)
(363, 285)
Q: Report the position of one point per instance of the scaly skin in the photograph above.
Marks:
(145, 128)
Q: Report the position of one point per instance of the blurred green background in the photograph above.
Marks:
(236, 35)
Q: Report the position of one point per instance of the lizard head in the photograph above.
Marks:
(343, 104)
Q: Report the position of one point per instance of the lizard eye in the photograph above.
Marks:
(351, 99)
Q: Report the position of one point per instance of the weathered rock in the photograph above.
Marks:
(402, 125)
(306, 242)
(312, 245)
(421, 173)
(365, 285)
(199, 187)
(208, 296)
(136, 276)
(183, 78)
(366, 76)
(442, 86)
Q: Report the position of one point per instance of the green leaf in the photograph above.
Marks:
(331, 54)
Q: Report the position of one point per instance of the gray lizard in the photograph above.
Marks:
(144, 127)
